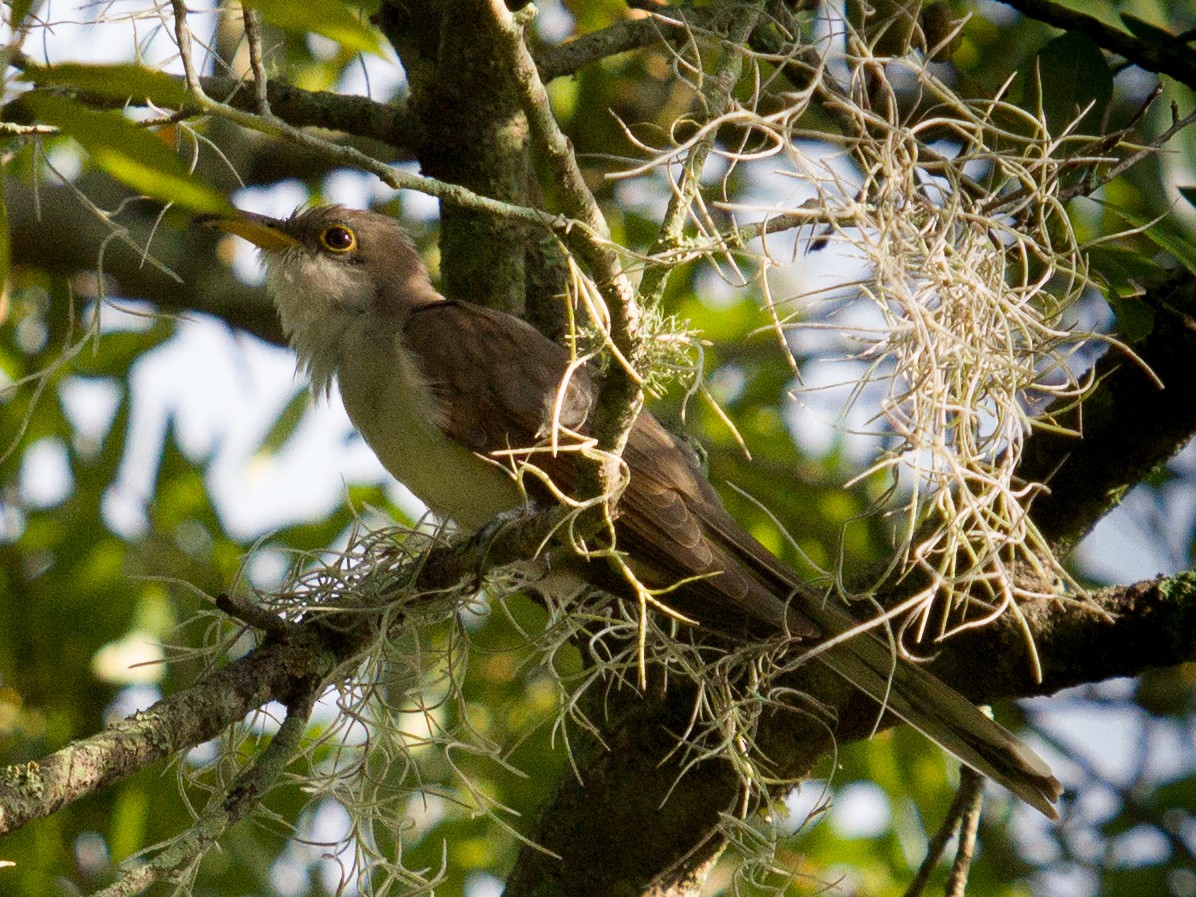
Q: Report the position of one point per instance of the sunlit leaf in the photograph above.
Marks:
(1125, 275)
(129, 153)
(285, 425)
(1145, 30)
(1074, 78)
(1165, 234)
(331, 18)
(133, 82)
(1135, 319)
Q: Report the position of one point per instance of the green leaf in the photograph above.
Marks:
(131, 82)
(1124, 275)
(286, 424)
(5, 250)
(1122, 271)
(331, 18)
(1135, 319)
(1188, 193)
(1164, 233)
(1071, 75)
(1146, 31)
(129, 153)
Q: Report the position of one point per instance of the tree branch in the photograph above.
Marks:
(620, 393)
(622, 37)
(1129, 425)
(243, 796)
(633, 776)
(1174, 60)
(223, 697)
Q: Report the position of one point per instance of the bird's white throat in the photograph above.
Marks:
(318, 300)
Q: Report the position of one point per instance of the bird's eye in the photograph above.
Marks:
(338, 238)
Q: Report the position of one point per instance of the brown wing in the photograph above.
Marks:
(497, 378)
(671, 521)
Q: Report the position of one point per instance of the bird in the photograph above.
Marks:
(446, 392)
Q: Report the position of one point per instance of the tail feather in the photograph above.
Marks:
(947, 718)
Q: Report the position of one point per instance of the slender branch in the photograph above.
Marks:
(12, 129)
(630, 34)
(595, 245)
(971, 786)
(718, 97)
(969, 783)
(589, 239)
(388, 123)
(244, 794)
(393, 177)
(182, 35)
(359, 116)
(253, 36)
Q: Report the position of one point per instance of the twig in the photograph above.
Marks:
(971, 787)
(568, 58)
(182, 34)
(257, 617)
(253, 36)
(718, 96)
(1091, 185)
(12, 129)
(960, 806)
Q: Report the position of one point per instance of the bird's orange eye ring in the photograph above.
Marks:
(338, 238)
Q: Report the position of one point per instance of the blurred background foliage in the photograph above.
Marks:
(123, 509)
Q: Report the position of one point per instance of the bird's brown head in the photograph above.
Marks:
(329, 257)
(329, 268)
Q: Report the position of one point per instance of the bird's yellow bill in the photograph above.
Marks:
(257, 229)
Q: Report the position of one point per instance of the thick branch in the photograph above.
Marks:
(388, 123)
(1129, 425)
(174, 724)
(622, 37)
(473, 133)
(589, 821)
(55, 232)
(1122, 631)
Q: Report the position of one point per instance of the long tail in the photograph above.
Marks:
(945, 717)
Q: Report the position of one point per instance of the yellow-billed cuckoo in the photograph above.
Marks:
(443, 389)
